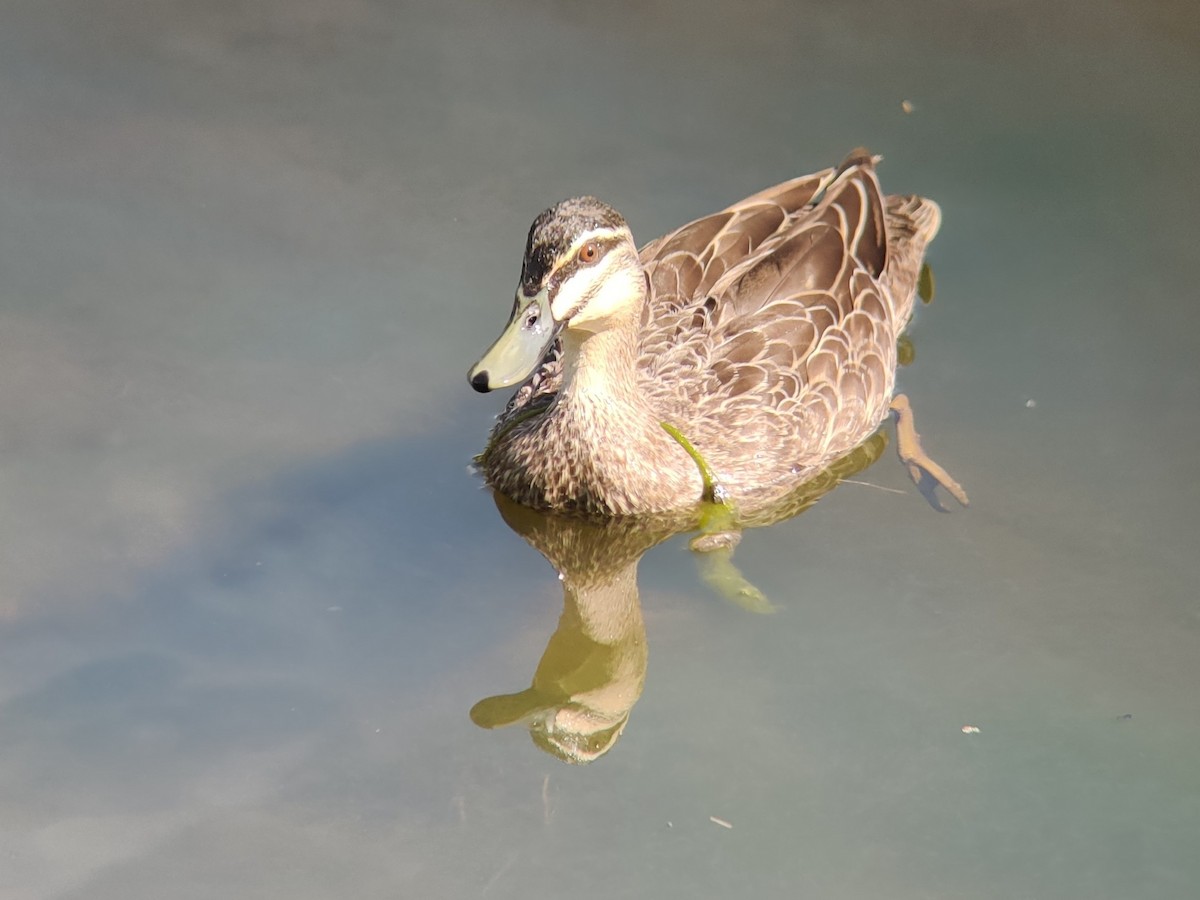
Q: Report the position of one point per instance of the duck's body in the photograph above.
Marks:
(765, 334)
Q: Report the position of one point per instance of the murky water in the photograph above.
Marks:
(250, 593)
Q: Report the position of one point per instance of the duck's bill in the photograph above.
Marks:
(519, 349)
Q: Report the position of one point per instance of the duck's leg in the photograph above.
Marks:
(719, 535)
(924, 471)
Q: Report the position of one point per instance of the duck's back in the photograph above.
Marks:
(770, 337)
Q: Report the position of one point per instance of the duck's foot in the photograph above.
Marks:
(924, 471)
(714, 547)
(726, 579)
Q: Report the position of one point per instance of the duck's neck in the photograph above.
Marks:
(616, 446)
(601, 367)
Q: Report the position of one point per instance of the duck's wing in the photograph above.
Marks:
(785, 324)
(686, 264)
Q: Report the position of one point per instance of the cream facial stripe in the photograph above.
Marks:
(571, 294)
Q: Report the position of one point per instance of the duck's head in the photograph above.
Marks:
(580, 272)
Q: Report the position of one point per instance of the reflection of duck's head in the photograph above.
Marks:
(578, 735)
(576, 731)
(594, 666)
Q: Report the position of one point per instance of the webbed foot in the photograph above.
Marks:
(719, 573)
(926, 473)
(714, 546)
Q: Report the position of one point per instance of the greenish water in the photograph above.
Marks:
(249, 592)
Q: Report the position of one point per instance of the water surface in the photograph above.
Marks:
(249, 591)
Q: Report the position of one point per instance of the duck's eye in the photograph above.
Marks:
(589, 252)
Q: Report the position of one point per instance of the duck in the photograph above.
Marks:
(727, 362)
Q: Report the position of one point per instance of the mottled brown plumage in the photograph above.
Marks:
(766, 333)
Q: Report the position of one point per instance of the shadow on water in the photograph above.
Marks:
(305, 605)
(593, 669)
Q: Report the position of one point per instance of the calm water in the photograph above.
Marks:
(249, 592)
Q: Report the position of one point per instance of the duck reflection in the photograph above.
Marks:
(594, 666)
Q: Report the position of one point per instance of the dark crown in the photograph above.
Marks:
(555, 230)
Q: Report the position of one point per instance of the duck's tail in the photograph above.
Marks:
(913, 218)
(912, 223)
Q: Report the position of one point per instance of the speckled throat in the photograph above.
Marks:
(610, 453)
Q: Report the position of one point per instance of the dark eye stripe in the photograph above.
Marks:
(560, 278)
(583, 301)
(575, 264)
